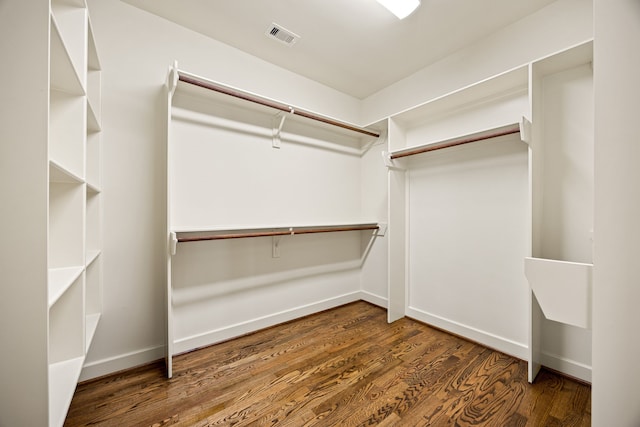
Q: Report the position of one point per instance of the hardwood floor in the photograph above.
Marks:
(342, 367)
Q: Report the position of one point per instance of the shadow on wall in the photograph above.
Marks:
(209, 269)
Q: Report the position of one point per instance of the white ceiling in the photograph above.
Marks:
(354, 46)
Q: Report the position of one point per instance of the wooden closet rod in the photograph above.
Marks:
(272, 104)
(508, 130)
(280, 232)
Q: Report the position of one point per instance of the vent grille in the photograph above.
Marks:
(282, 35)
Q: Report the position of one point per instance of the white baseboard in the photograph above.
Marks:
(566, 366)
(121, 362)
(487, 339)
(113, 364)
(185, 344)
(374, 299)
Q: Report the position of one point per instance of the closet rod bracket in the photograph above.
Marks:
(172, 78)
(390, 163)
(275, 246)
(525, 131)
(278, 122)
(173, 243)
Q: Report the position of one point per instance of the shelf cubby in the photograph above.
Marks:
(66, 225)
(562, 189)
(93, 84)
(63, 377)
(66, 349)
(66, 320)
(70, 18)
(63, 74)
(67, 117)
(563, 156)
(93, 297)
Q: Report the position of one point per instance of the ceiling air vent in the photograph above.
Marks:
(282, 35)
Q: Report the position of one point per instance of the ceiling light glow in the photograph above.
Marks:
(400, 8)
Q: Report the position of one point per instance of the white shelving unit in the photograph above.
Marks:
(61, 158)
(561, 179)
(549, 102)
(316, 192)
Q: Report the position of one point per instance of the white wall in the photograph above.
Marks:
(136, 49)
(467, 241)
(616, 288)
(561, 24)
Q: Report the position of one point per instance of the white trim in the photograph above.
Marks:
(136, 358)
(121, 362)
(566, 366)
(214, 336)
(374, 299)
(484, 338)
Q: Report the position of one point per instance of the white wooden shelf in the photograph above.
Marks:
(63, 377)
(92, 188)
(70, 3)
(495, 87)
(92, 255)
(58, 173)
(563, 289)
(61, 279)
(93, 122)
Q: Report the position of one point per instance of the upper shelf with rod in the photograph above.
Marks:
(521, 128)
(183, 79)
(485, 109)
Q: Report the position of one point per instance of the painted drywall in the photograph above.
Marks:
(616, 288)
(467, 241)
(562, 24)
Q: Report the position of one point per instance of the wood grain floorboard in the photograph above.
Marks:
(342, 367)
